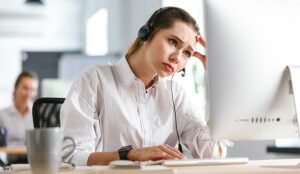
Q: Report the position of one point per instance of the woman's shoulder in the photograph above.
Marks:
(96, 69)
(6, 111)
(91, 76)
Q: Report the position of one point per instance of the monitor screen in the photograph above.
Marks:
(250, 43)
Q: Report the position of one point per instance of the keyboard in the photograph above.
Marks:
(205, 162)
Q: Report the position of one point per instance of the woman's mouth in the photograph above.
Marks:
(168, 67)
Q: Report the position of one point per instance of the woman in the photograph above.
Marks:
(17, 118)
(129, 110)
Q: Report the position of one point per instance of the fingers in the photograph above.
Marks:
(197, 54)
(154, 156)
(201, 40)
(171, 152)
(160, 152)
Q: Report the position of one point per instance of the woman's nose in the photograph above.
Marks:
(175, 57)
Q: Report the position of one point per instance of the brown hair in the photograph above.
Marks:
(162, 19)
(24, 74)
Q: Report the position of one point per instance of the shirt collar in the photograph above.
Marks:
(126, 73)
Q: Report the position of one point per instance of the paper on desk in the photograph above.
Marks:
(17, 167)
(153, 169)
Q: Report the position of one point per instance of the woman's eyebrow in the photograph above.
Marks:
(182, 42)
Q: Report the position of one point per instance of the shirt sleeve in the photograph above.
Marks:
(79, 120)
(194, 132)
(198, 140)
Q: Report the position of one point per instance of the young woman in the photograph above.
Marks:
(129, 110)
(17, 118)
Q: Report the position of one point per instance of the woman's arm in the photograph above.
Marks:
(102, 158)
(79, 118)
(160, 152)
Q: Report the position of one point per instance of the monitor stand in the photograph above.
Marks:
(295, 85)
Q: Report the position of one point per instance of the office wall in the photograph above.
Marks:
(10, 66)
(114, 25)
(124, 19)
(54, 26)
(135, 14)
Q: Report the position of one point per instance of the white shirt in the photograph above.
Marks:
(16, 125)
(108, 107)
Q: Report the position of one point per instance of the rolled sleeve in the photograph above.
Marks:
(195, 133)
(80, 158)
(78, 121)
(198, 140)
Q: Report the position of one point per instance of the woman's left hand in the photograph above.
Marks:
(201, 57)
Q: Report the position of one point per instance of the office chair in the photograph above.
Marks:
(46, 111)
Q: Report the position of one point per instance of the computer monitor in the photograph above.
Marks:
(250, 43)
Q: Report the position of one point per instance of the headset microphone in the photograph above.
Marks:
(183, 72)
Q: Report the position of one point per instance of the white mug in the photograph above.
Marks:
(44, 149)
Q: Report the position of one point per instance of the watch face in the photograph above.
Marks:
(123, 152)
(126, 148)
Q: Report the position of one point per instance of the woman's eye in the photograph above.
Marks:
(187, 53)
(172, 42)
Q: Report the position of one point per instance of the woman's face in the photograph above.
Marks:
(170, 49)
(26, 90)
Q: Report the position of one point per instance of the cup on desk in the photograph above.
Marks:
(44, 149)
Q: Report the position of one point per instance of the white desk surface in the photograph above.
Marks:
(282, 166)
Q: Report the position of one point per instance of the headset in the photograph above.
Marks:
(146, 30)
(143, 34)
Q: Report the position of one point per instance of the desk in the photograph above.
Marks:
(282, 166)
(13, 150)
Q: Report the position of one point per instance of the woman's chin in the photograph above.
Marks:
(164, 74)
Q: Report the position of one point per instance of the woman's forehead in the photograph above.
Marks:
(183, 31)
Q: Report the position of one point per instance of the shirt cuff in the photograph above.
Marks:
(223, 144)
(80, 158)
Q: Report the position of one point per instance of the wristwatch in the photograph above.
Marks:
(123, 151)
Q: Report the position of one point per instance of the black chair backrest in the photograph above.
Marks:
(46, 111)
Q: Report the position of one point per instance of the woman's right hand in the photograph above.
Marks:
(200, 56)
(160, 152)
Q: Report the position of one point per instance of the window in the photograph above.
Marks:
(96, 33)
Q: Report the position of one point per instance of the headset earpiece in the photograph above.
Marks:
(144, 32)
(183, 72)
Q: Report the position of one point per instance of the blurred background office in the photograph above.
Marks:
(59, 38)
